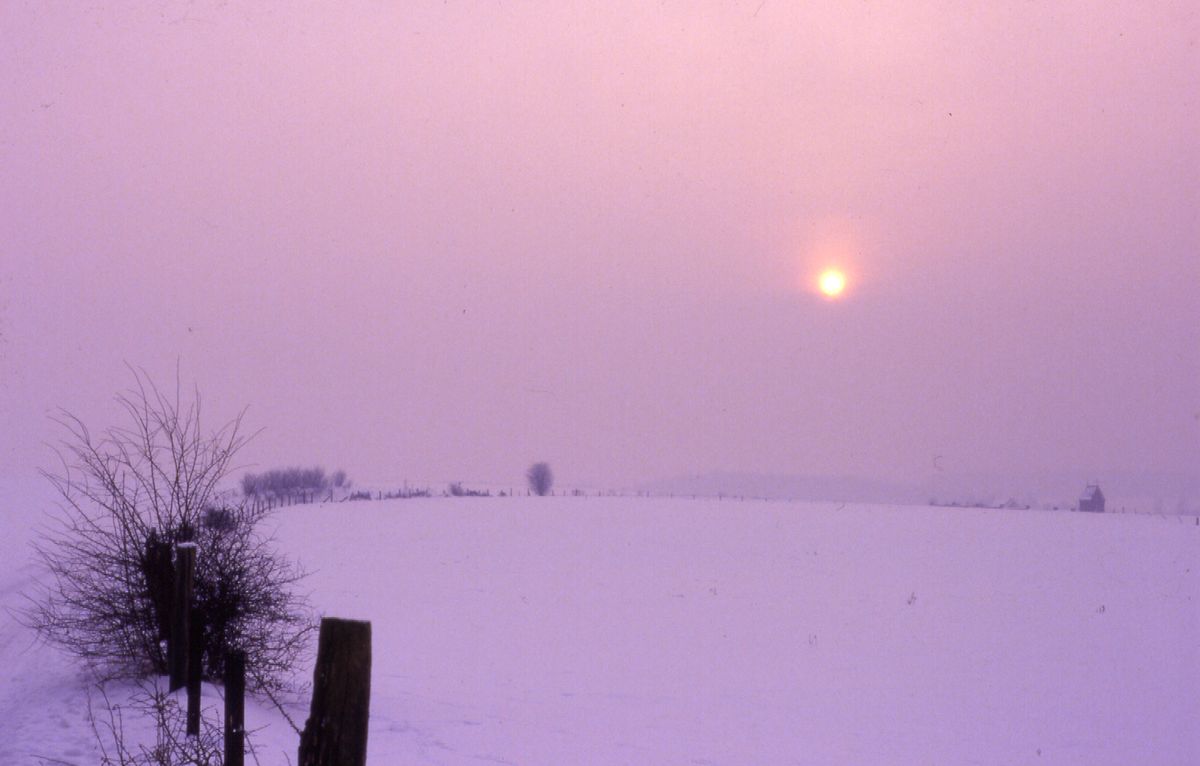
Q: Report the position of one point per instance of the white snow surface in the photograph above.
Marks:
(656, 631)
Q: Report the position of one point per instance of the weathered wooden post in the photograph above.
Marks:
(336, 731)
(235, 709)
(160, 580)
(195, 660)
(177, 649)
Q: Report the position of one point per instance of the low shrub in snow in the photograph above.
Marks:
(130, 493)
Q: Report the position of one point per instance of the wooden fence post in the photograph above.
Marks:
(160, 580)
(195, 660)
(336, 731)
(235, 709)
(177, 650)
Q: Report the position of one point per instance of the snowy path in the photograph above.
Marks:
(40, 694)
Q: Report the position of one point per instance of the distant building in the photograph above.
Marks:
(1092, 499)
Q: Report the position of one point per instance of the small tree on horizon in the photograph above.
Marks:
(540, 478)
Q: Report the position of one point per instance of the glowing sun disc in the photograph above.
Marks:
(831, 283)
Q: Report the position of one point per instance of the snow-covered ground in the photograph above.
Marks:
(653, 631)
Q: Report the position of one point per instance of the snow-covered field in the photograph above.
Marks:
(653, 631)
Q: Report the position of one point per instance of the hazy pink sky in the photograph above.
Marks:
(440, 241)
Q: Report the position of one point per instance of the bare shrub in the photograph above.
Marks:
(127, 495)
(117, 736)
(456, 489)
(244, 599)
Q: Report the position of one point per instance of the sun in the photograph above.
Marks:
(832, 283)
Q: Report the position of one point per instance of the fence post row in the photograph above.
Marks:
(336, 731)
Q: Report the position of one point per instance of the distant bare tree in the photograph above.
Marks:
(540, 478)
(126, 495)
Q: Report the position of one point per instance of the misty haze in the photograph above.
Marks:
(740, 383)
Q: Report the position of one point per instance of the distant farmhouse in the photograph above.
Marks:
(1092, 499)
